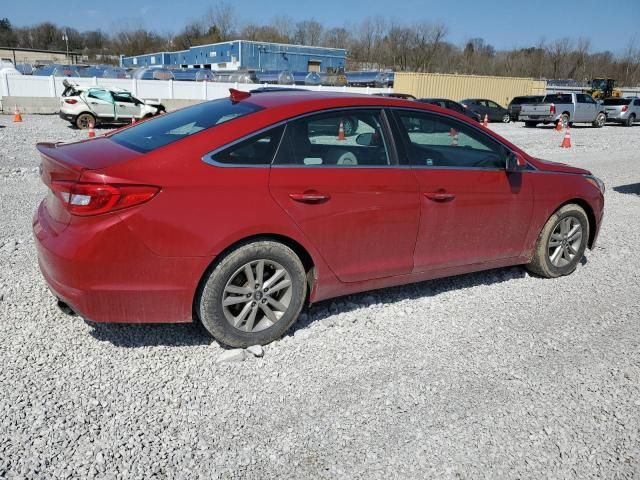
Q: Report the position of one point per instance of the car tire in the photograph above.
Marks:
(564, 121)
(600, 120)
(506, 118)
(629, 121)
(559, 248)
(84, 120)
(530, 124)
(234, 301)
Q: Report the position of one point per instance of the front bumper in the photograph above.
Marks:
(105, 274)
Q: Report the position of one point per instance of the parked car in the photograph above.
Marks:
(566, 108)
(622, 110)
(235, 213)
(451, 105)
(493, 111)
(516, 103)
(96, 105)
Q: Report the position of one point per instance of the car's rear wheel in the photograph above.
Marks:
(561, 243)
(506, 118)
(84, 120)
(253, 295)
(629, 121)
(600, 120)
(350, 126)
(563, 120)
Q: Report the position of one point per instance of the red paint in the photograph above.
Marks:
(364, 228)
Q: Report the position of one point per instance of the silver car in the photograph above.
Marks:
(622, 110)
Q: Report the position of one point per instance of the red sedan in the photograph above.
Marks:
(237, 212)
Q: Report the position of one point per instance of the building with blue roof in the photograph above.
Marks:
(245, 55)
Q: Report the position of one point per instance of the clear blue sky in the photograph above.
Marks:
(503, 23)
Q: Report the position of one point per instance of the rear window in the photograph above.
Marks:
(161, 131)
(617, 101)
(521, 100)
(558, 98)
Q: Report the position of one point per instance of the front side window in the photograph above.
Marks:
(256, 150)
(348, 138)
(491, 104)
(441, 142)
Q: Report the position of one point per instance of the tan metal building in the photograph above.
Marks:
(459, 87)
(35, 56)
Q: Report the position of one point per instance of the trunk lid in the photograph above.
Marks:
(536, 109)
(67, 162)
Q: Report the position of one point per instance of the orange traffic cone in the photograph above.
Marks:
(558, 126)
(454, 137)
(566, 141)
(341, 135)
(16, 115)
(92, 132)
(485, 122)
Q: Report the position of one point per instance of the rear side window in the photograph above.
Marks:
(616, 101)
(558, 98)
(161, 131)
(337, 139)
(256, 150)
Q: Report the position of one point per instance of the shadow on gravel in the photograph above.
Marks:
(134, 336)
(631, 188)
(429, 288)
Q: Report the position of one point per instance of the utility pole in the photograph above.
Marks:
(65, 37)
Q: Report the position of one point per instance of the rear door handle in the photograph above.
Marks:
(439, 196)
(310, 197)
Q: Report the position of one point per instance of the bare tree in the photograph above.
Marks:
(223, 17)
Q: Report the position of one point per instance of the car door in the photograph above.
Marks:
(126, 106)
(495, 111)
(590, 108)
(472, 210)
(347, 194)
(580, 107)
(100, 102)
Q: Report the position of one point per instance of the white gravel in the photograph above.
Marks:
(488, 375)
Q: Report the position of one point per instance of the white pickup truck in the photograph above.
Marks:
(566, 108)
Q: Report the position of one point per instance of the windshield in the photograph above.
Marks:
(616, 101)
(169, 128)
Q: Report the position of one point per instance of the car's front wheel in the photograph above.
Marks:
(561, 243)
(506, 118)
(629, 121)
(253, 295)
(85, 120)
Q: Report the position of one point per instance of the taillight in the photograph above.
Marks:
(85, 199)
(71, 101)
(625, 108)
(553, 109)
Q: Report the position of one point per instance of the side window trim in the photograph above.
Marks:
(405, 142)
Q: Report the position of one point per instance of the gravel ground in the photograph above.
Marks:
(489, 375)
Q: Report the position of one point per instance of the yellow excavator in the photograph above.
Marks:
(603, 88)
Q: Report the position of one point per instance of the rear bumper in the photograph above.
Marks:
(618, 116)
(68, 117)
(105, 274)
(537, 118)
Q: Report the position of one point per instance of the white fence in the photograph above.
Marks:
(30, 86)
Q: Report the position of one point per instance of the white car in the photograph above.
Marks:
(84, 106)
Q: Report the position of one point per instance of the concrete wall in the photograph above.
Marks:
(458, 87)
(34, 57)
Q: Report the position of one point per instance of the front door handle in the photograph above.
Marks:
(310, 197)
(439, 196)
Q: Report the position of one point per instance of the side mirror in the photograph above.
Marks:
(515, 162)
(365, 139)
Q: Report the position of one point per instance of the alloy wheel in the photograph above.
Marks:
(565, 242)
(257, 295)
